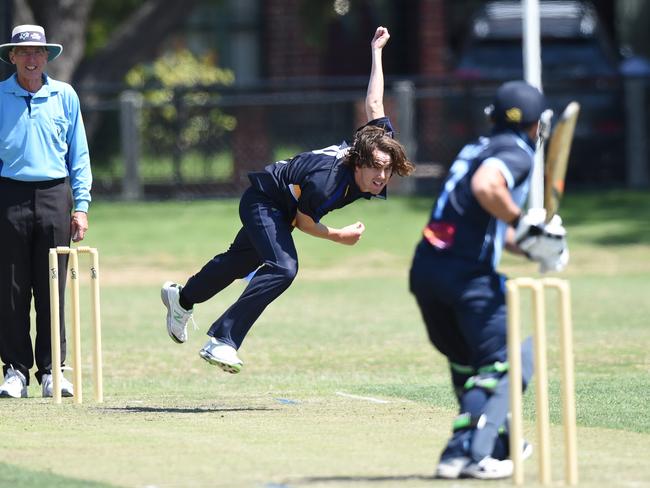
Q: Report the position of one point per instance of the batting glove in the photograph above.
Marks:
(529, 227)
(555, 264)
(543, 243)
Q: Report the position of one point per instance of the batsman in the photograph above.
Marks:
(455, 281)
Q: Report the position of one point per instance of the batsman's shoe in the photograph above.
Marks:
(526, 449)
(67, 390)
(177, 316)
(488, 468)
(15, 385)
(221, 354)
(450, 468)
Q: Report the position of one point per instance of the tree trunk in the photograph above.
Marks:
(65, 23)
(138, 39)
(22, 14)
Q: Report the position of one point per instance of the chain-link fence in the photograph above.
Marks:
(204, 141)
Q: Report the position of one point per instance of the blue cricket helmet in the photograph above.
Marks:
(516, 104)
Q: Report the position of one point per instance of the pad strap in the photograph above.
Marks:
(461, 368)
(466, 421)
(488, 377)
(497, 367)
(486, 383)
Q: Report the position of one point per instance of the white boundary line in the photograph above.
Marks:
(357, 397)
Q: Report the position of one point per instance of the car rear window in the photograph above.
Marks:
(560, 58)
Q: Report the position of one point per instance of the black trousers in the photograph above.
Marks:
(34, 216)
(264, 241)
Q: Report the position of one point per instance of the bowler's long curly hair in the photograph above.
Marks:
(372, 137)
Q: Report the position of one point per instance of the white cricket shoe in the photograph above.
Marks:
(67, 390)
(450, 468)
(488, 468)
(221, 354)
(177, 316)
(15, 385)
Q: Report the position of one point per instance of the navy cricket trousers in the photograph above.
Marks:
(463, 306)
(264, 242)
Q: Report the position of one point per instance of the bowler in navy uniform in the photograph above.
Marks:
(295, 193)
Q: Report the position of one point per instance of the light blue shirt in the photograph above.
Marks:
(44, 138)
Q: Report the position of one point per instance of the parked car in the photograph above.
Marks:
(579, 63)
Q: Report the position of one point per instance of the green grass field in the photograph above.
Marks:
(340, 387)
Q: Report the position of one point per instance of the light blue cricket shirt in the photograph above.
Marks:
(44, 139)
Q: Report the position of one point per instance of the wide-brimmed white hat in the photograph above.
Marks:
(29, 35)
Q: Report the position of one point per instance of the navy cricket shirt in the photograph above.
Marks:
(459, 226)
(314, 182)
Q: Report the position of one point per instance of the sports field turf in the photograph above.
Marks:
(340, 387)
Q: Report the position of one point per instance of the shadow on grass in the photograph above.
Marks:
(359, 479)
(19, 477)
(133, 409)
(629, 209)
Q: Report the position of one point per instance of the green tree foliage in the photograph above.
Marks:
(184, 115)
(105, 18)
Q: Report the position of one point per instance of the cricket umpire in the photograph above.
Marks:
(295, 193)
(45, 181)
(458, 290)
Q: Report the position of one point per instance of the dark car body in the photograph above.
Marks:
(578, 63)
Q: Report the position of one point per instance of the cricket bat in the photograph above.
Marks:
(557, 158)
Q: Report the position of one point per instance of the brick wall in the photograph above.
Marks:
(288, 55)
(432, 37)
(433, 44)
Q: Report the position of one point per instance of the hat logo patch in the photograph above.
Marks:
(513, 115)
(23, 36)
